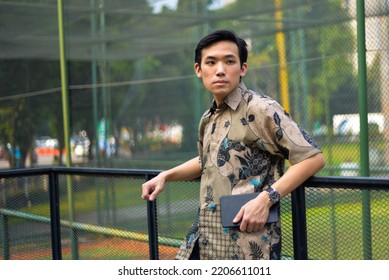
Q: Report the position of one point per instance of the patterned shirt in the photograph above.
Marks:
(243, 145)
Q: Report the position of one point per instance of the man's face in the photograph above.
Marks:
(220, 69)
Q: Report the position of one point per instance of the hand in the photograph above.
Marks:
(153, 187)
(253, 215)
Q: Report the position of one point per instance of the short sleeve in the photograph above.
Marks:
(277, 132)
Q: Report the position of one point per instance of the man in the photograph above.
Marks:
(244, 140)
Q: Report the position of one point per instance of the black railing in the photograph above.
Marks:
(298, 206)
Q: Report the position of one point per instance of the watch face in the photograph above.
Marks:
(274, 196)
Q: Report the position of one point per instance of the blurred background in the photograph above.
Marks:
(126, 96)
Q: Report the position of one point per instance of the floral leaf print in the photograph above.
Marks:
(256, 183)
(280, 168)
(225, 144)
(212, 207)
(284, 151)
(256, 251)
(275, 251)
(244, 121)
(277, 119)
(308, 138)
(237, 146)
(245, 169)
(213, 128)
(224, 151)
(279, 134)
(234, 236)
(227, 124)
(209, 200)
(234, 257)
(232, 179)
(244, 173)
(190, 240)
(274, 256)
(250, 98)
(223, 155)
(243, 161)
(261, 144)
(209, 195)
(251, 118)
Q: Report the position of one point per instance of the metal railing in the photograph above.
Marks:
(317, 188)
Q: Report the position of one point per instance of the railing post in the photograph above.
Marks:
(364, 128)
(300, 244)
(55, 216)
(5, 227)
(5, 236)
(152, 228)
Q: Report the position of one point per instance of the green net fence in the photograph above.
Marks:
(134, 102)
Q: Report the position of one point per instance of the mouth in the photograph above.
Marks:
(220, 82)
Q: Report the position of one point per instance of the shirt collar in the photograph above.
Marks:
(235, 97)
(232, 100)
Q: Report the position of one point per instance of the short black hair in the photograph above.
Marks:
(221, 35)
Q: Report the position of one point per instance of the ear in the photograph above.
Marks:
(244, 69)
(197, 69)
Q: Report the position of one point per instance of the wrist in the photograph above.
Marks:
(274, 195)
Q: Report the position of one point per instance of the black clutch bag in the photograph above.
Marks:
(231, 204)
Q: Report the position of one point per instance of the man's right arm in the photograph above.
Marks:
(186, 171)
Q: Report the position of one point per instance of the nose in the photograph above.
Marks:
(220, 71)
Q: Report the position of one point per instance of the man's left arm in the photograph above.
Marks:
(298, 174)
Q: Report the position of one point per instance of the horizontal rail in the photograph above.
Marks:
(353, 182)
(365, 183)
(6, 173)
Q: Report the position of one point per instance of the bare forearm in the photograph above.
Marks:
(186, 171)
(298, 174)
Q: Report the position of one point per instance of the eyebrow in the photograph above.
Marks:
(226, 56)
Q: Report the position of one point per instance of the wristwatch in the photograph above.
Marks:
(274, 195)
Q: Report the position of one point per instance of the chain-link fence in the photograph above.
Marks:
(133, 98)
(128, 98)
(101, 216)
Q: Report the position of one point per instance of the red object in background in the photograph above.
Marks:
(47, 151)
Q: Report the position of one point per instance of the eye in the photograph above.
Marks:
(230, 61)
(210, 62)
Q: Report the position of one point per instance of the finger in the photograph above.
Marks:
(147, 190)
(249, 228)
(153, 195)
(256, 228)
(243, 226)
(238, 216)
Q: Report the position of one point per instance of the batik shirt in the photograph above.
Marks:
(243, 145)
